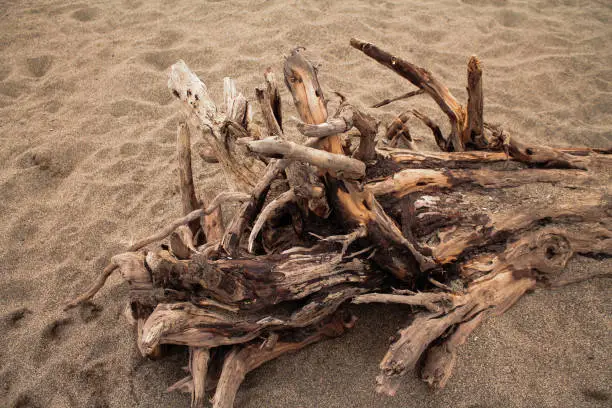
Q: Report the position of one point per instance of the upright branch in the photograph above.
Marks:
(212, 224)
(367, 126)
(474, 132)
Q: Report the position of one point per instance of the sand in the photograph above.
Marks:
(87, 162)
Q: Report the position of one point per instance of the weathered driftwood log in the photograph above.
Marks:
(318, 230)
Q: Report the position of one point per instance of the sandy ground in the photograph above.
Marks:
(87, 162)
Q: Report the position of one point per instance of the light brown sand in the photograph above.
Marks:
(87, 161)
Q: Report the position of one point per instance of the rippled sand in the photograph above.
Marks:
(87, 162)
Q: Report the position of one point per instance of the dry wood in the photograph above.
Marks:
(398, 130)
(332, 127)
(243, 360)
(302, 178)
(181, 242)
(544, 155)
(421, 160)
(398, 98)
(434, 302)
(356, 206)
(409, 181)
(188, 194)
(425, 81)
(545, 251)
(268, 212)
(329, 241)
(247, 213)
(211, 224)
(207, 155)
(474, 132)
(591, 207)
(194, 215)
(367, 126)
(265, 103)
(203, 114)
(441, 141)
(198, 367)
(339, 165)
(274, 96)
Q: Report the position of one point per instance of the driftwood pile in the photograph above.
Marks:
(323, 224)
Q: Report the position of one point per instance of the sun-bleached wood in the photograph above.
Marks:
(391, 225)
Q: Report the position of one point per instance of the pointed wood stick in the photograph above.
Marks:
(188, 194)
(274, 96)
(265, 104)
(398, 98)
(212, 224)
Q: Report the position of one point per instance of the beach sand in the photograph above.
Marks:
(88, 163)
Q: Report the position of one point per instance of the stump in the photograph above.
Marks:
(451, 234)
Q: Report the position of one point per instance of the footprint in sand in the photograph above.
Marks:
(161, 60)
(5, 71)
(89, 311)
(16, 290)
(85, 14)
(129, 149)
(53, 334)
(596, 395)
(38, 66)
(13, 319)
(24, 400)
(11, 89)
(167, 38)
(54, 331)
(45, 160)
(131, 4)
